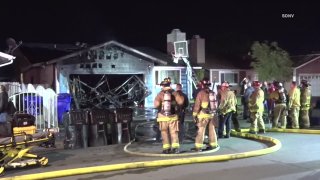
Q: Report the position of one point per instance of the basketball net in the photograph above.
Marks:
(175, 57)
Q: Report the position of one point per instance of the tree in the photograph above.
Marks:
(271, 62)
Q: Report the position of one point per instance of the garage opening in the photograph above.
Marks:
(107, 90)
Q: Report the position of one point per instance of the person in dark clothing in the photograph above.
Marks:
(195, 93)
(247, 93)
(4, 126)
(235, 120)
(243, 85)
(181, 112)
(3, 103)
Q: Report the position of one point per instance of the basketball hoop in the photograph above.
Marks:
(175, 58)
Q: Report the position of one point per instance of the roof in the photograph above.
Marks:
(227, 62)
(39, 55)
(302, 60)
(112, 42)
(155, 53)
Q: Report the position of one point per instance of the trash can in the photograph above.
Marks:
(122, 125)
(76, 130)
(64, 101)
(97, 128)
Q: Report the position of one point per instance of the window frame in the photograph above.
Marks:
(156, 77)
(230, 72)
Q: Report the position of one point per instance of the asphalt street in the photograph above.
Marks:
(297, 159)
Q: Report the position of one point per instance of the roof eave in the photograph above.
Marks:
(57, 60)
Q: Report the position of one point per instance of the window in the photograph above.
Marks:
(231, 77)
(173, 74)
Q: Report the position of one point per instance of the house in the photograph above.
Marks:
(111, 58)
(220, 68)
(308, 67)
(120, 61)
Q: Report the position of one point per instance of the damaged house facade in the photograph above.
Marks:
(116, 73)
(111, 72)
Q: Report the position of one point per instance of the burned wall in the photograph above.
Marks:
(103, 61)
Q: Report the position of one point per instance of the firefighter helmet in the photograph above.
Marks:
(305, 83)
(225, 84)
(165, 83)
(205, 82)
(256, 84)
(277, 84)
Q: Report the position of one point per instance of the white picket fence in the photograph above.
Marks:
(35, 100)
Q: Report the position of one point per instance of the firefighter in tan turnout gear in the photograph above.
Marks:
(280, 109)
(226, 108)
(204, 112)
(294, 105)
(305, 104)
(166, 102)
(256, 108)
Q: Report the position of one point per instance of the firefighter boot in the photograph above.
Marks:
(175, 151)
(166, 151)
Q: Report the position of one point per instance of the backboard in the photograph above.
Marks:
(181, 49)
(6, 59)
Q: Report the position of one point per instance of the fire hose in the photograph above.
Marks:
(276, 145)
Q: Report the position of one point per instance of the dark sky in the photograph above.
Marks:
(228, 27)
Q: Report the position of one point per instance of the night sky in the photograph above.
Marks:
(228, 27)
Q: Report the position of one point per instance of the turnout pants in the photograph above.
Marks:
(294, 115)
(256, 121)
(304, 117)
(202, 124)
(171, 127)
(280, 113)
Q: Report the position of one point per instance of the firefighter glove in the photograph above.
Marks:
(195, 119)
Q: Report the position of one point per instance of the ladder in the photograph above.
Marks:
(192, 77)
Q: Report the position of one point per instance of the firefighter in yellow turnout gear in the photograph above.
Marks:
(305, 104)
(204, 112)
(166, 102)
(294, 105)
(226, 109)
(280, 109)
(256, 108)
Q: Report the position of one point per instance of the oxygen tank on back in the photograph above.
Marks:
(212, 101)
(166, 104)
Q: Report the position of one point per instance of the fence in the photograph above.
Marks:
(35, 100)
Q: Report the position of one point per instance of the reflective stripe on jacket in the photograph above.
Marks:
(305, 98)
(201, 104)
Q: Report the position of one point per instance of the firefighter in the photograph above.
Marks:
(235, 120)
(280, 109)
(256, 108)
(226, 108)
(294, 105)
(305, 100)
(166, 102)
(182, 111)
(203, 114)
